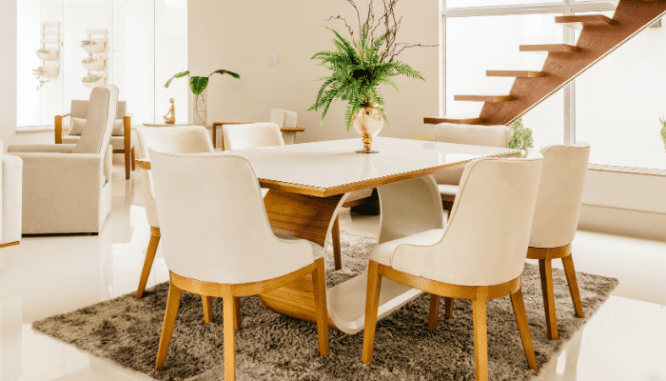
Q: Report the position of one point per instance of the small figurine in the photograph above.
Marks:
(170, 117)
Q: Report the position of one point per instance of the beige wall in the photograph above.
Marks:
(8, 69)
(238, 36)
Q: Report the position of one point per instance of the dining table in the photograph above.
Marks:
(307, 185)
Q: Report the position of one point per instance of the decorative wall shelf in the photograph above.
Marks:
(96, 63)
(49, 51)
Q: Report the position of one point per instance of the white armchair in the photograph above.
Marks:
(67, 187)
(218, 243)
(556, 220)
(182, 139)
(255, 135)
(286, 120)
(10, 199)
(480, 254)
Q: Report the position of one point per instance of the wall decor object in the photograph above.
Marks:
(360, 65)
(198, 86)
(170, 117)
(49, 53)
(96, 46)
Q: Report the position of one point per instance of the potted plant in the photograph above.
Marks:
(520, 137)
(360, 66)
(198, 86)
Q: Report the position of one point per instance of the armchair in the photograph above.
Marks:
(121, 136)
(10, 199)
(67, 187)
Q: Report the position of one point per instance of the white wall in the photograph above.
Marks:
(238, 36)
(7, 68)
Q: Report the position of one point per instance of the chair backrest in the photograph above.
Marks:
(491, 136)
(560, 193)
(79, 113)
(214, 223)
(283, 118)
(102, 111)
(241, 136)
(181, 139)
(485, 241)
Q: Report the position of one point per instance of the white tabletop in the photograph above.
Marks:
(333, 167)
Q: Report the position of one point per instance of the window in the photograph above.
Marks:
(615, 105)
(147, 44)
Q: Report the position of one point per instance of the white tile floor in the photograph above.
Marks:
(43, 276)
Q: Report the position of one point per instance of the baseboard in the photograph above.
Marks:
(630, 223)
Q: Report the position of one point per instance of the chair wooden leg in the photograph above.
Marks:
(480, 339)
(127, 164)
(448, 307)
(173, 301)
(148, 262)
(570, 272)
(237, 318)
(546, 270)
(229, 338)
(523, 327)
(371, 306)
(133, 163)
(335, 236)
(207, 303)
(434, 311)
(319, 287)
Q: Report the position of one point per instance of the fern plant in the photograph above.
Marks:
(663, 131)
(520, 136)
(360, 67)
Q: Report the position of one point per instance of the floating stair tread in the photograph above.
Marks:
(578, 22)
(454, 119)
(483, 98)
(515, 73)
(550, 48)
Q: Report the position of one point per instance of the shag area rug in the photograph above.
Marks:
(275, 347)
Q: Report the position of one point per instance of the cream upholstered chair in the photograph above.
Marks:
(218, 242)
(10, 199)
(67, 187)
(556, 219)
(121, 136)
(254, 135)
(491, 136)
(240, 136)
(480, 254)
(182, 139)
(286, 121)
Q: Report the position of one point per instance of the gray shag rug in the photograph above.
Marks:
(275, 347)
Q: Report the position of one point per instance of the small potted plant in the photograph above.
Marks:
(47, 55)
(520, 137)
(198, 86)
(359, 66)
(93, 81)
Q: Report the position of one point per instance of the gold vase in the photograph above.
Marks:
(367, 123)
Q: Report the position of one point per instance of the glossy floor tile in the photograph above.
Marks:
(43, 276)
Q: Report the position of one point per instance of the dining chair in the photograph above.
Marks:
(219, 243)
(556, 220)
(479, 255)
(254, 135)
(181, 139)
(67, 187)
(121, 135)
(491, 136)
(241, 136)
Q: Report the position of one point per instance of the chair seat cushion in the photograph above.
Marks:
(383, 254)
(117, 142)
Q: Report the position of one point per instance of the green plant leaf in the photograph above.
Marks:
(198, 84)
(222, 71)
(178, 75)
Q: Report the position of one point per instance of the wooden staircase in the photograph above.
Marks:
(600, 35)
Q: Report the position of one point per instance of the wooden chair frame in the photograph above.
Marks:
(231, 294)
(128, 149)
(545, 257)
(478, 295)
(155, 236)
